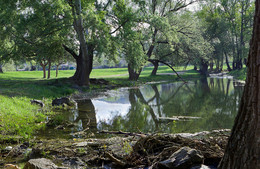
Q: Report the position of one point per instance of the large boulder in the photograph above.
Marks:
(184, 158)
(40, 163)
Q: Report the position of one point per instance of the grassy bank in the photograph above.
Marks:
(20, 119)
(239, 74)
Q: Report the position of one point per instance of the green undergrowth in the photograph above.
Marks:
(239, 74)
(19, 119)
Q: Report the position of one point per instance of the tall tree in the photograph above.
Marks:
(242, 150)
(93, 36)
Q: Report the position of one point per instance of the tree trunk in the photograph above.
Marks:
(203, 68)
(44, 71)
(227, 63)
(57, 70)
(33, 68)
(82, 76)
(1, 69)
(155, 67)
(133, 75)
(242, 151)
(195, 67)
(43, 65)
(211, 65)
(221, 63)
(240, 64)
(49, 70)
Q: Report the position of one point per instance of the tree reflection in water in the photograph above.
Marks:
(214, 100)
(142, 109)
(87, 115)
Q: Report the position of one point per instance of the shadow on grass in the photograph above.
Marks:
(34, 88)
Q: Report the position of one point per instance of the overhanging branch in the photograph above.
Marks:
(167, 64)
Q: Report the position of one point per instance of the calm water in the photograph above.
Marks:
(214, 100)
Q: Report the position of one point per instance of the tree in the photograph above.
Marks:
(93, 37)
(7, 15)
(242, 150)
(144, 25)
(228, 24)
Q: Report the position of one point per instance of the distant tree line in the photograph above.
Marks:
(52, 32)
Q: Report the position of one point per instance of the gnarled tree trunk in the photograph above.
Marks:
(203, 68)
(133, 75)
(155, 66)
(84, 61)
(243, 149)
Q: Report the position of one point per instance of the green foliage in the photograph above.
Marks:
(127, 147)
(228, 27)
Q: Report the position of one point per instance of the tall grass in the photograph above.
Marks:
(18, 117)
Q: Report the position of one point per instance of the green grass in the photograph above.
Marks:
(239, 74)
(31, 84)
(19, 118)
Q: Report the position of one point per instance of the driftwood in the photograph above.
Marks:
(38, 102)
(142, 135)
(179, 118)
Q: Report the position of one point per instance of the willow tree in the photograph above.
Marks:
(243, 149)
(160, 30)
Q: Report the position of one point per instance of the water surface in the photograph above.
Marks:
(142, 109)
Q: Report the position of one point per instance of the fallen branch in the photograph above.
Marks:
(179, 118)
(114, 159)
(124, 133)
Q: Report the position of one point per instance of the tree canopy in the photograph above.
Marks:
(217, 33)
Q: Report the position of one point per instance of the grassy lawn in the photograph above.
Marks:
(18, 118)
(31, 84)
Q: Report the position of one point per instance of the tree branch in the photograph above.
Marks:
(152, 60)
(75, 56)
(119, 27)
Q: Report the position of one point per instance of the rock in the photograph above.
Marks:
(74, 162)
(201, 167)
(41, 163)
(38, 102)
(64, 100)
(184, 158)
(11, 166)
(8, 148)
